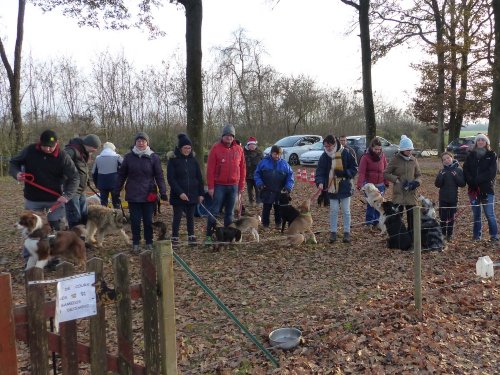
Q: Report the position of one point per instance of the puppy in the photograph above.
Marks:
(399, 238)
(300, 228)
(431, 234)
(287, 211)
(42, 246)
(373, 196)
(248, 224)
(103, 220)
(224, 236)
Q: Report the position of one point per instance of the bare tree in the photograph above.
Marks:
(494, 125)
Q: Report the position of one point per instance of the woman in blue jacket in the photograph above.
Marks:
(271, 176)
(335, 172)
(142, 176)
(186, 187)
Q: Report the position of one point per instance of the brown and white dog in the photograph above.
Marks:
(41, 245)
(300, 228)
(375, 199)
(248, 224)
(104, 220)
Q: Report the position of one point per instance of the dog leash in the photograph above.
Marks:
(208, 212)
(29, 178)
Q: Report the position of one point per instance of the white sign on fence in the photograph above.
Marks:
(75, 298)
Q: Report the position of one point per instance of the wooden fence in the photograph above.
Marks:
(28, 323)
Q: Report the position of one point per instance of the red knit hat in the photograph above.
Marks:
(252, 141)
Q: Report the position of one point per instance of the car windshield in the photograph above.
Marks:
(287, 141)
(317, 146)
(354, 141)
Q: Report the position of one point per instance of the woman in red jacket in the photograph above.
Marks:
(371, 170)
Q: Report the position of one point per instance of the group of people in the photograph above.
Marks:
(56, 180)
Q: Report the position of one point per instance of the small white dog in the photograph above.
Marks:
(375, 199)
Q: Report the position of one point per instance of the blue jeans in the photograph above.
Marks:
(345, 204)
(489, 211)
(141, 211)
(77, 210)
(372, 214)
(224, 196)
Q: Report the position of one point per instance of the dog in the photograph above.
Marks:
(224, 236)
(162, 230)
(323, 199)
(248, 224)
(399, 238)
(373, 196)
(104, 220)
(299, 230)
(42, 246)
(432, 238)
(93, 200)
(287, 211)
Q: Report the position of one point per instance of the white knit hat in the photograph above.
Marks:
(483, 137)
(405, 144)
(109, 145)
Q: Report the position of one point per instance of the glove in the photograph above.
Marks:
(412, 185)
(164, 197)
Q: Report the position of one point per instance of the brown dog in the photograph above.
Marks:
(103, 220)
(300, 229)
(248, 224)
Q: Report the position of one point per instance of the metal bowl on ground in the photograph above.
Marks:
(285, 338)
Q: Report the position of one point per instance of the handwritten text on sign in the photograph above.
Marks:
(76, 298)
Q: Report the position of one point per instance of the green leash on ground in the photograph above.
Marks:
(225, 309)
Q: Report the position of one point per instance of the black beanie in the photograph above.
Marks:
(183, 140)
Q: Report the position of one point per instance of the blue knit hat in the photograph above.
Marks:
(405, 144)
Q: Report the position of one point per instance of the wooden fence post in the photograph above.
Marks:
(123, 315)
(37, 323)
(417, 254)
(67, 331)
(97, 325)
(8, 356)
(164, 260)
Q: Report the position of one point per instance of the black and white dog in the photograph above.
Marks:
(431, 234)
(287, 211)
(223, 236)
(399, 237)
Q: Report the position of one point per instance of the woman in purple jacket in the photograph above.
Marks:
(142, 176)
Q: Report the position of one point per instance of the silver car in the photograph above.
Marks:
(295, 145)
(311, 157)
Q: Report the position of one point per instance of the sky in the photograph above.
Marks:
(299, 39)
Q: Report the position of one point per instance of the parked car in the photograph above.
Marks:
(311, 157)
(358, 144)
(461, 146)
(295, 145)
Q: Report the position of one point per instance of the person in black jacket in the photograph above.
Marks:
(480, 170)
(448, 180)
(186, 187)
(252, 158)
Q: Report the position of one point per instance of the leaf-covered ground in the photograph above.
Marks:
(354, 303)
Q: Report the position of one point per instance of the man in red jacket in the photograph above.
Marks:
(226, 173)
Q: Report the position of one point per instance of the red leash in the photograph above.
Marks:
(29, 179)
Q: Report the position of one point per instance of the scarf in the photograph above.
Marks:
(333, 182)
(373, 155)
(146, 152)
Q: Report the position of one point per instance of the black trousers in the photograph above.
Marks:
(179, 210)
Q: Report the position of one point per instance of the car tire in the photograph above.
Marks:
(293, 159)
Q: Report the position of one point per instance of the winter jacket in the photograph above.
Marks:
(448, 180)
(350, 169)
(105, 169)
(184, 176)
(271, 176)
(252, 159)
(77, 152)
(371, 170)
(399, 171)
(481, 172)
(226, 166)
(54, 171)
(141, 175)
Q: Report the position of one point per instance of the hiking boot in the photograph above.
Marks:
(347, 237)
(175, 241)
(192, 241)
(208, 241)
(135, 249)
(149, 246)
(333, 237)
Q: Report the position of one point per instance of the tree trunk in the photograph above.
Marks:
(494, 126)
(194, 105)
(441, 76)
(366, 64)
(14, 76)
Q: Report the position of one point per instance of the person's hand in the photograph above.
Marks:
(320, 186)
(63, 199)
(201, 198)
(454, 173)
(19, 176)
(211, 192)
(184, 197)
(163, 197)
(406, 185)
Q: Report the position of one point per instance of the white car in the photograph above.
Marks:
(312, 156)
(295, 145)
